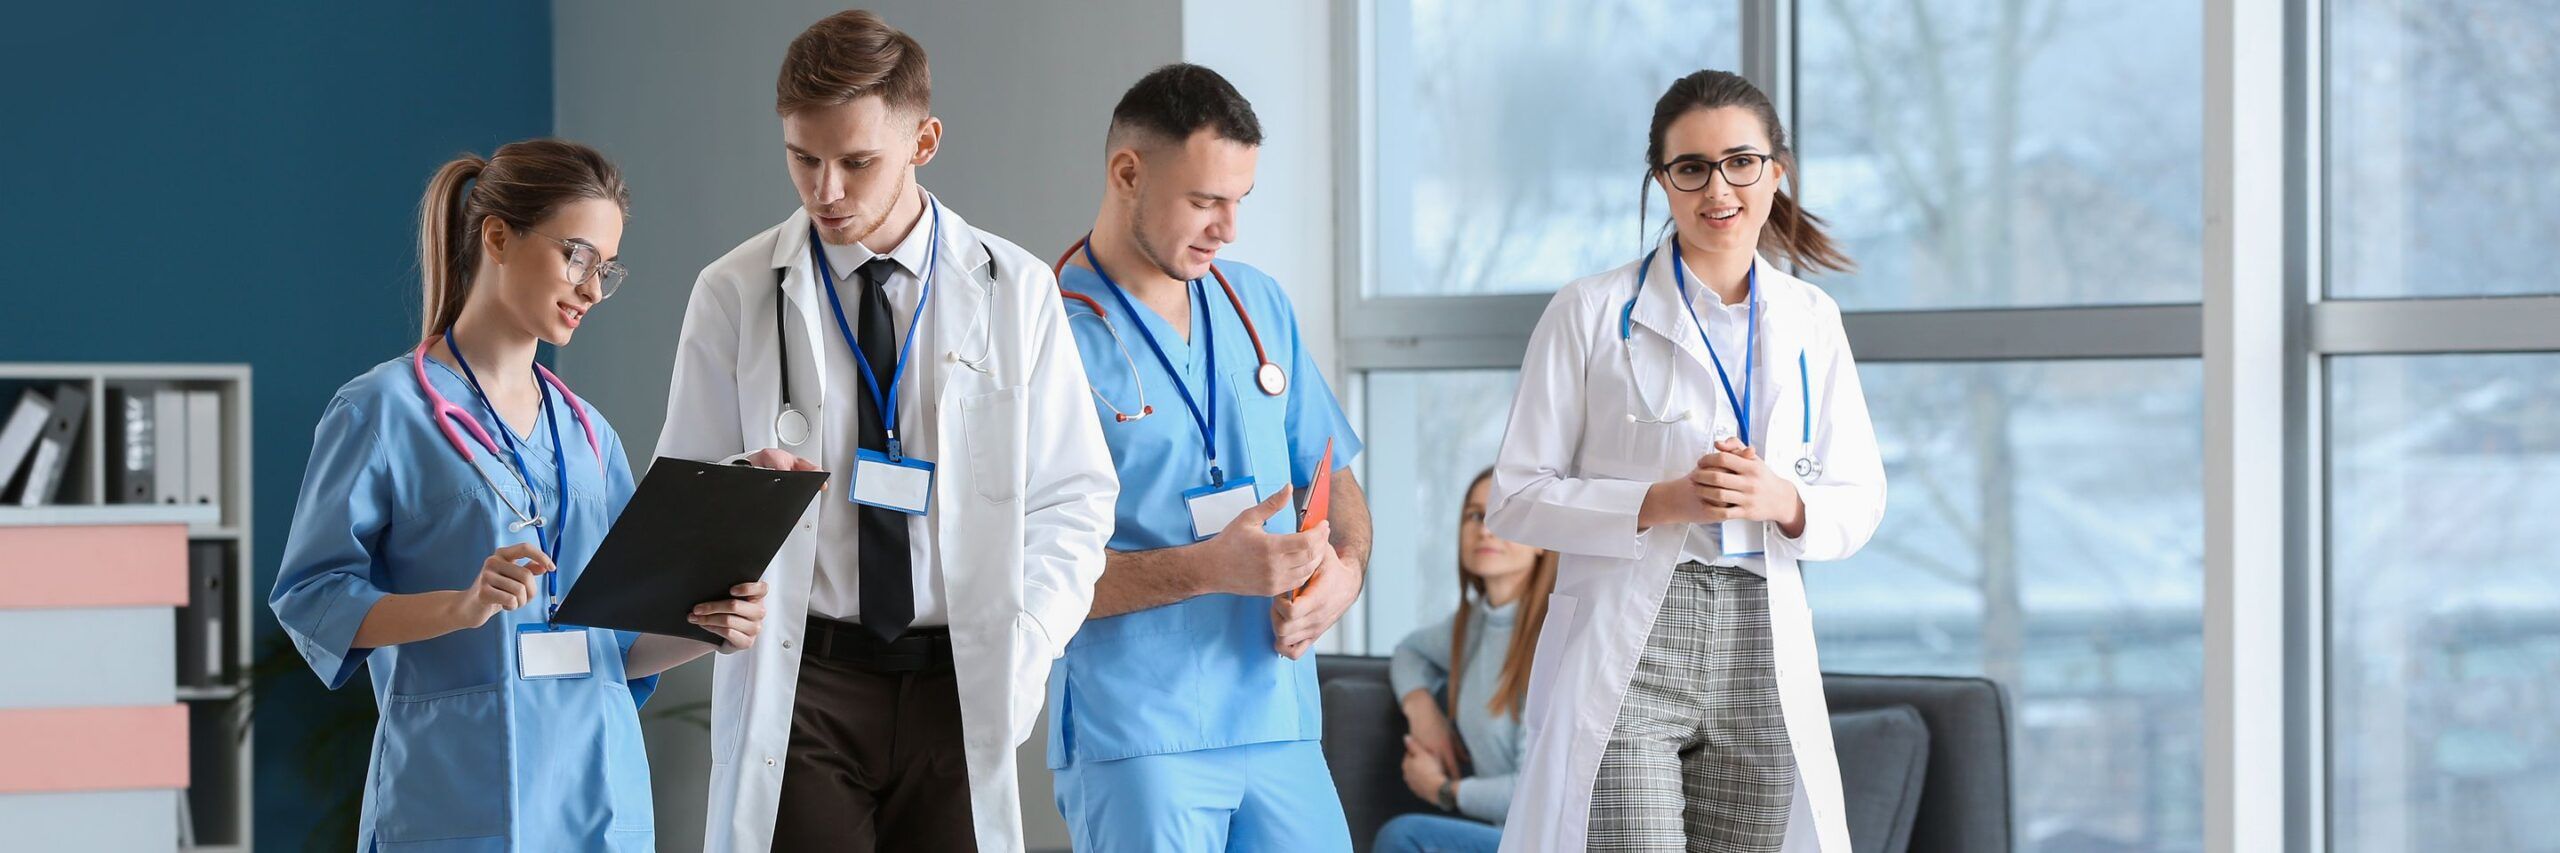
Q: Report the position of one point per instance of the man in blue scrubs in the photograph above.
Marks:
(1185, 715)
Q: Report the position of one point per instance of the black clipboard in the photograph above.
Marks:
(692, 531)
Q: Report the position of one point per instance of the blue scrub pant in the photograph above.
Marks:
(1255, 797)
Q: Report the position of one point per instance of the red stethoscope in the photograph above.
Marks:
(1269, 377)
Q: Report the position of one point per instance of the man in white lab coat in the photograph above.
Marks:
(926, 364)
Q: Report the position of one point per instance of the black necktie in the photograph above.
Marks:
(887, 588)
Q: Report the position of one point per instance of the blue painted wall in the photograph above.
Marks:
(238, 183)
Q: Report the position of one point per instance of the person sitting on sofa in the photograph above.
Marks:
(1462, 682)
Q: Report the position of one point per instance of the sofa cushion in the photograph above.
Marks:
(1884, 762)
(1364, 745)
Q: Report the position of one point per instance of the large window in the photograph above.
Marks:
(2444, 602)
(2444, 124)
(2045, 530)
(2442, 464)
(1429, 432)
(2011, 154)
(1510, 134)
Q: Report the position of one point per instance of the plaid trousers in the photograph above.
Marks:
(1699, 760)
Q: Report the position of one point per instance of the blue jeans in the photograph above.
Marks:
(1431, 833)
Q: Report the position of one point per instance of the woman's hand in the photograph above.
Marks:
(503, 583)
(1431, 730)
(1735, 484)
(1422, 772)
(736, 619)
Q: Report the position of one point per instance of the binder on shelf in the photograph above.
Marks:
(130, 447)
(204, 447)
(18, 437)
(45, 483)
(169, 445)
(203, 622)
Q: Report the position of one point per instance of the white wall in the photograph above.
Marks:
(1280, 55)
(680, 94)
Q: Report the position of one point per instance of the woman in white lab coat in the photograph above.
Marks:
(1689, 430)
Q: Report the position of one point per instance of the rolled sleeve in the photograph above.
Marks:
(325, 586)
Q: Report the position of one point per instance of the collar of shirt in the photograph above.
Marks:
(910, 252)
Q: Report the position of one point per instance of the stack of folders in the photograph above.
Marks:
(37, 443)
(164, 445)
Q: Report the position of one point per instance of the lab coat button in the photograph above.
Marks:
(768, 761)
(786, 644)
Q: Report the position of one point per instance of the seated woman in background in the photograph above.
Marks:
(1461, 751)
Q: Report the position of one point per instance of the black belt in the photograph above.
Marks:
(917, 650)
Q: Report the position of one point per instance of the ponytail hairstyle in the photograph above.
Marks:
(523, 183)
(1791, 233)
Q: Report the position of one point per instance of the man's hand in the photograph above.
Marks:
(1297, 621)
(1248, 560)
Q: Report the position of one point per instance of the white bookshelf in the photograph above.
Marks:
(220, 761)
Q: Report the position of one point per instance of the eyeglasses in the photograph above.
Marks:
(586, 263)
(1690, 173)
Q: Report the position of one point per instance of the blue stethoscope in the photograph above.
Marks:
(447, 415)
(1807, 467)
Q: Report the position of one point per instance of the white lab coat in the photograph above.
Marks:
(1572, 474)
(1022, 498)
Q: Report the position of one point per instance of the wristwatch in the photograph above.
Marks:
(1449, 795)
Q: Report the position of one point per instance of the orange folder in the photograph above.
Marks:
(1319, 501)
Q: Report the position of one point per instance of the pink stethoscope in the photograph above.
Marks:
(447, 414)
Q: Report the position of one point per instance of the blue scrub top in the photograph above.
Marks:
(1198, 674)
(466, 756)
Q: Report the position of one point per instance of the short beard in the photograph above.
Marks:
(1146, 249)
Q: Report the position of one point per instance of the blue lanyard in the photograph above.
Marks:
(557, 525)
(1750, 340)
(887, 402)
(1206, 419)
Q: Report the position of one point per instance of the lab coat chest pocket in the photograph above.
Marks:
(442, 771)
(992, 423)
(1624, 436)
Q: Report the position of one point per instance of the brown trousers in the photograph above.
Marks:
(875, 763)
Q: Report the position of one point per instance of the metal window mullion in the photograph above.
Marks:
(2306, 619)
(2420, 326)
(2244, 428)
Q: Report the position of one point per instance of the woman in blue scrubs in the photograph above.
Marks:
(453, 495)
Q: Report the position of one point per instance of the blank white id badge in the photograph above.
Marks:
(1213, 507)
(905, 484)
(551, 652)
(1741, 538)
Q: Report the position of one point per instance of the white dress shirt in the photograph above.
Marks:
(836, 592)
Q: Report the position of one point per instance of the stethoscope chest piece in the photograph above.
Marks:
(1808, 468)
(1274, 382)
(791, 427)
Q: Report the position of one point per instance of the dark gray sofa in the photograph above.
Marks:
(1924, 761)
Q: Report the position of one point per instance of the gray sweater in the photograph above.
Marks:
(1493, 742)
